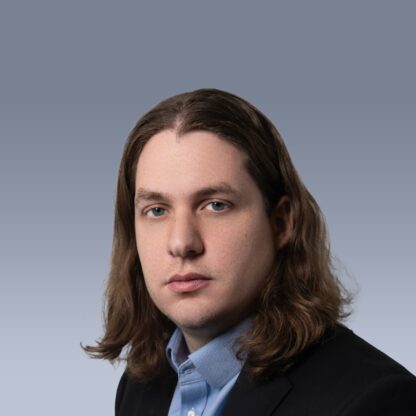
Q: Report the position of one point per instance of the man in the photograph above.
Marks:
(221, 287)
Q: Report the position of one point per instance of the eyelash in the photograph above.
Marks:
(226, 205)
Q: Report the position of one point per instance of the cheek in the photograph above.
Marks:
(245, 252)
(147, 252)
(148, 242)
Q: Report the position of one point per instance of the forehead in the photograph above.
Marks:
(169, 163)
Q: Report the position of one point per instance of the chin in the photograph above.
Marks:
(208, 325)
(195, 324)
(192, 317)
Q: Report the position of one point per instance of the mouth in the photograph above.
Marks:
(187, 283)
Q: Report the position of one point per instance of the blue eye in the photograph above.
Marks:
(156, 211)
(217, 206)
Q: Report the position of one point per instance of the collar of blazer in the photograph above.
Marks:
(250, 398)
(246, 397)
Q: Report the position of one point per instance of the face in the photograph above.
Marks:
(205, 243)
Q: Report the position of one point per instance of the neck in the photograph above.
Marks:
(196, 339)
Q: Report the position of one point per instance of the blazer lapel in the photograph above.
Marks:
(156, 397)
(248, 398)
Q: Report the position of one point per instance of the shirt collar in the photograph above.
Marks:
(215, 361)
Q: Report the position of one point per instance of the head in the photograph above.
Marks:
(205, 241)
(206, 186)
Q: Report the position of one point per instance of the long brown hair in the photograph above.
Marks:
(302, 298)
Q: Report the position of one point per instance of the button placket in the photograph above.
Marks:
(191, 412)
(193, 390)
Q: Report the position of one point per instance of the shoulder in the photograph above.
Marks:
(343, 371)
(343, 352)
(133, 394)
(120, 391)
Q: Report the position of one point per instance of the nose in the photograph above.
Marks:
(184, 237)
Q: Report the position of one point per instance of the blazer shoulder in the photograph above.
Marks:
(154, 396)
(346, 351)
(342, 368)
(393, 395)
(120, 392)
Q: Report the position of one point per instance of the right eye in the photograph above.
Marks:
(154, 212)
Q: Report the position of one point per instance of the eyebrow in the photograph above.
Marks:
(143, 194)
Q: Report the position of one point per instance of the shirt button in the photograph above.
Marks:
(191, 412)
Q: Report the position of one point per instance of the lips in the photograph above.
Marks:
(187, 283)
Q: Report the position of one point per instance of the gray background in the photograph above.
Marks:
(337, 78)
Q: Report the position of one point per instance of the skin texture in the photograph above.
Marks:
(226, 237)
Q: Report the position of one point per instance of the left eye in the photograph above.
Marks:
(217, 206)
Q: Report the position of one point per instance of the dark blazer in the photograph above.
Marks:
(342, 375)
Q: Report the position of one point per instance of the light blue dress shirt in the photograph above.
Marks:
(206, 376)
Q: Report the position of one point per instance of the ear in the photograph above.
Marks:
(282, 221)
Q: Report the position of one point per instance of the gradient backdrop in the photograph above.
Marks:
(338, 80)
